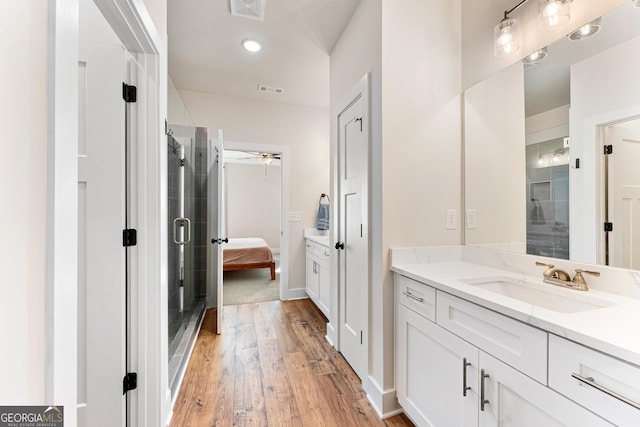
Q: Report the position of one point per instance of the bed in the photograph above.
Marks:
(247, 254)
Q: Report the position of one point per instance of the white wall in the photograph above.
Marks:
(158, 11)
(253, 202)
(421, 133)
(495, 160)
(357, 52)
(479, 18)
(415, 164)
(597, 100)
(547, 125)
(177, 113)
(304, 130)
(23, 108)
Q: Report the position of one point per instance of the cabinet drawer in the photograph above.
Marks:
(317, 249)
(616, 395)
(416, 296)
(519, 345)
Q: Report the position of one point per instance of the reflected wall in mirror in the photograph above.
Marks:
(537, 180)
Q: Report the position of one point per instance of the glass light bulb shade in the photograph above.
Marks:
(587, 30)
(553, 12)
(536, 56)
(636, 2)
(506, 37)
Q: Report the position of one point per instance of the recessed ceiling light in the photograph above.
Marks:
(536, 56)
(586, 31)
(251, 45)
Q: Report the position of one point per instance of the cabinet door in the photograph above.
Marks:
(514, 400)
(312, 277)
(431, 373)
(323, 284)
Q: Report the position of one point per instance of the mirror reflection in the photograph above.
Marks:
(537, 179)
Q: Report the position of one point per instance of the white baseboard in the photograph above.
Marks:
(331, 336)
(298, 293)
(384, 402)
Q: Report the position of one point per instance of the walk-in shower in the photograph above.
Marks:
(187, 228)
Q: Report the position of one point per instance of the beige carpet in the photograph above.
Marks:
(249, 286)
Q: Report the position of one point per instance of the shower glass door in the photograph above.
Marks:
(186, 243)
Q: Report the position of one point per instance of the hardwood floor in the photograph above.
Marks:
(271, 366)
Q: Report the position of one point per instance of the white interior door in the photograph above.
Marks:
(101, 220)
(623, 182)
(352, 244)
(216, 225)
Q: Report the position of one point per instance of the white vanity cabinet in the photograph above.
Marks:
(317, 274)
(456, 366)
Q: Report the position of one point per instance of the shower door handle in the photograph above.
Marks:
(182, 222)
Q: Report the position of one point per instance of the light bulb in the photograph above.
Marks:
(251, 45)
(553, 12)
(506, 37)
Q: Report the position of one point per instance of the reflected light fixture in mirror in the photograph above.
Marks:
(266, 159)
(535, 57)
(586, 31)
(553, 12)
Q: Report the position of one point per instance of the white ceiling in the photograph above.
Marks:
(297, 37)
(547, 83)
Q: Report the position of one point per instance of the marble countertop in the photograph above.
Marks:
(613, 329)
(321, 240)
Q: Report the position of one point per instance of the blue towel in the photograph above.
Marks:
(323, 216)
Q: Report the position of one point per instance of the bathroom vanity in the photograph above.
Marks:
(318, 259)
(481, 340)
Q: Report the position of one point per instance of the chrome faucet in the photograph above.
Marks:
(559, 277)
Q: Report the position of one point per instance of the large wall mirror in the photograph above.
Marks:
(537, 179)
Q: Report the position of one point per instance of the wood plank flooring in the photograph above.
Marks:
(271, 366)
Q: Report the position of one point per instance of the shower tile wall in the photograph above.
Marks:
(548, 217)
(200, 238)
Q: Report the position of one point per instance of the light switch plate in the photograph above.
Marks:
(295, 216)
(471, 219)
(452, 219)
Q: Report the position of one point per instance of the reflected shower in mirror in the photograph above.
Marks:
(537, 180)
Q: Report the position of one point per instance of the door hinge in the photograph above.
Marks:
(129, 382)
(608, 149)
(129, 237)
(608, 226)
(361, 230)
(129, 93)
(360, 337)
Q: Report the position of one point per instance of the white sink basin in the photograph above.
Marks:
(543, 295)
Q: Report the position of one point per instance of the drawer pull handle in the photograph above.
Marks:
(483, 401)
(591, 382)
(412, 296)
(465, 388)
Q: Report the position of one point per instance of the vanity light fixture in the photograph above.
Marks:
(266, 159)
(586, 31)
(251, 45)
(536, 56)
(506, 34)
(636, 2)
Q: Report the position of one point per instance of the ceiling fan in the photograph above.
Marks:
(265, 158)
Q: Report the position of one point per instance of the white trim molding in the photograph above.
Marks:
(384, 402)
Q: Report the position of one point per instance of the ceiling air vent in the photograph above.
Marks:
(252, 9)
(269, 89)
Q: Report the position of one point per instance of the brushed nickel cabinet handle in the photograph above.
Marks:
(483, 401)
(412, 296)
(465, 388)
(591, 383)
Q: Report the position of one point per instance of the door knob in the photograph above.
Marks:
(340, 245)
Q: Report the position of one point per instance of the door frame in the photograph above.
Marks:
(132, 23)
(285, 292)
(360, 90)
(593, 140)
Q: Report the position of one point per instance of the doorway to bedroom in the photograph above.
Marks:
(253, 200)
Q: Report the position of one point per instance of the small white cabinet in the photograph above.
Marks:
(447, 375)
(317, 275)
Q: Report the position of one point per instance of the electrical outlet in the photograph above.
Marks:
(452, 220)
(295, 216)
(471, 219)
